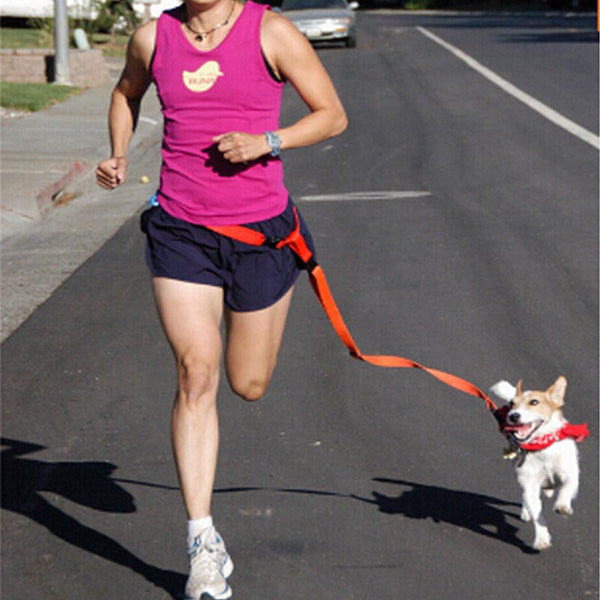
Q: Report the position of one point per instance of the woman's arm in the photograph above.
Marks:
(125, 104)
(293, 58)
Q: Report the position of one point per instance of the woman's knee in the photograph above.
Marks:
(197, 379)
(250, 388)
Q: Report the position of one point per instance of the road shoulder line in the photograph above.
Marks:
(533, 103)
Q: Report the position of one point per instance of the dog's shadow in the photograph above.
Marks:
(85, 483)
(475, 512)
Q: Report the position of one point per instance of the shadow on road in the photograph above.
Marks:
(475, 512)
(90, 484)
(86, 483)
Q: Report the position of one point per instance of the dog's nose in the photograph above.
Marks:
(514, 417)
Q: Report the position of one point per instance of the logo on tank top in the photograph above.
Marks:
(204, 78)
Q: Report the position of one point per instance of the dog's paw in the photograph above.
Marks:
(542, 541)
(525, 516)
(563, 509)
(542, 545)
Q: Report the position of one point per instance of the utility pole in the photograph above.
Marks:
(62, 73)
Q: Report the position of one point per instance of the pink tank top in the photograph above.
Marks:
(207, 93)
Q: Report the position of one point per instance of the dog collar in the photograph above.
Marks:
(568, 431)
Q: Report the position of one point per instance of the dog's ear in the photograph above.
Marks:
(519, 387)
(557, 391)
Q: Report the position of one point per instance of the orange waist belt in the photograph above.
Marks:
(298, 245)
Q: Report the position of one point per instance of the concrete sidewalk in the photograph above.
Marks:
(53, 216)
(44, 153)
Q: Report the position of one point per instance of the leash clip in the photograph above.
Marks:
(272, 242)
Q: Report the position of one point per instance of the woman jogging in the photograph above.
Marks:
(219, 67)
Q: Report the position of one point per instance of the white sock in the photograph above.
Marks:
(195, 527)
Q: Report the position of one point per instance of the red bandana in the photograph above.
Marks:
(576, 432)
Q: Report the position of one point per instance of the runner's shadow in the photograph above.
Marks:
(85, 483)
(475, 512)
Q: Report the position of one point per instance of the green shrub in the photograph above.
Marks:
(45, 31)
(115, 14)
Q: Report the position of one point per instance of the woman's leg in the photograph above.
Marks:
(191, 315)
(253, 341)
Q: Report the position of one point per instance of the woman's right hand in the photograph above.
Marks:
(112, 172)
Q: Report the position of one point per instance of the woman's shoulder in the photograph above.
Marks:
(280, 38)
(143, 42)
(274, 24)
(147, 31)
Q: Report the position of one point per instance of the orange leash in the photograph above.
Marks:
(321, 288)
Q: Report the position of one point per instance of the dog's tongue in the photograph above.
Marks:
(521, 430)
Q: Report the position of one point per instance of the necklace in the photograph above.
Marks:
(201, 35)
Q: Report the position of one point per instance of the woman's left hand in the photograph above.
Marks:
(238, 147)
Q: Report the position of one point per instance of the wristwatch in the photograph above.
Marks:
(274, 142)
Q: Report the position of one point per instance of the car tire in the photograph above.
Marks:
(351, 41)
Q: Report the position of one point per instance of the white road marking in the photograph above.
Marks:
(541, 108)
(391, 195)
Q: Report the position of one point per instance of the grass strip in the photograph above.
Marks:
(33, 96)
(12, 38)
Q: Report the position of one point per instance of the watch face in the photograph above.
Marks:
(274, 142)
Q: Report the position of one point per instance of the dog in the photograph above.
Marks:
(545, 450)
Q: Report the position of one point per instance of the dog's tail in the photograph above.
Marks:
(504, 390)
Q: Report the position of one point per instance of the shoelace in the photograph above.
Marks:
(205, 555)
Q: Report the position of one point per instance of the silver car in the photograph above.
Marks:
(323, 20)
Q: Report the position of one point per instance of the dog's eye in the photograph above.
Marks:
(534, 402)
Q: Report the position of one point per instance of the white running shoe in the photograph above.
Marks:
(210, 566)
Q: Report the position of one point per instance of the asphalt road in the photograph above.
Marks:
(457, 227)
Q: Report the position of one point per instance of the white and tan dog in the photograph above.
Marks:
(546, 453)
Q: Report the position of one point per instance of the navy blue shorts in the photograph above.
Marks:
(252, 277)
